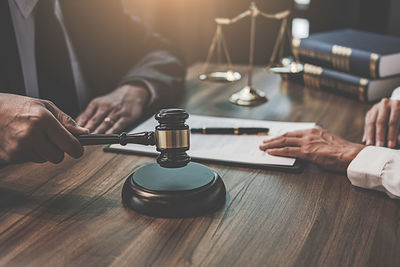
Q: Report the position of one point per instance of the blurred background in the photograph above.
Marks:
(190, 23)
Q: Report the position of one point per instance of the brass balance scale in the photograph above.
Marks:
(250, 96)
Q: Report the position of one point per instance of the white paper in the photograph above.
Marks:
(226, 148)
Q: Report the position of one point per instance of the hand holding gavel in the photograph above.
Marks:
(171, 138)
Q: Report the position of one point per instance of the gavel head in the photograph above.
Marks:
(172, 137)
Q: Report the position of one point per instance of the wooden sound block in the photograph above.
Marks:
(189, 191)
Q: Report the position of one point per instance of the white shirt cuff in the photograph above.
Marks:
(396, 94)
(375, 168)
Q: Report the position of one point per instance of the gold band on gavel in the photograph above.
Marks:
(172, 138)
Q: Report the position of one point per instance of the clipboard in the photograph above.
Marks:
(232, 150)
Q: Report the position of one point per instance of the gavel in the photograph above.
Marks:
(171, 138)
(174, 186)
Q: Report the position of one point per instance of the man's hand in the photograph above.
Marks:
(315, 145)
(382, 124)
(115, 111)
(36, 130)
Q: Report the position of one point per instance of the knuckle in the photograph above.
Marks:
(48, 102)
(67, 119)
(285, 150)
(38, 114)
(305, 151)
(308, 139)
(385, 101)
(380, 122)
(392, 123)
(125, 113)
(118, 106)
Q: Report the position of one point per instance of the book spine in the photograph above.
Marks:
(354, 61)
(350, 85)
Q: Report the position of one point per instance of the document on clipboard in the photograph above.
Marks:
(223, 148)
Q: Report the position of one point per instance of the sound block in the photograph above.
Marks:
(189, 191)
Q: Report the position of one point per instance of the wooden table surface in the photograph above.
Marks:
(71, 214)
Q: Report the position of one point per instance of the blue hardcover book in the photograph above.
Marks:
(347, 84)
(360, 53)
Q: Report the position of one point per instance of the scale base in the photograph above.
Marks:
(248, 96)
(190, 191)
(221, 76)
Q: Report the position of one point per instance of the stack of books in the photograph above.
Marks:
(356, 63)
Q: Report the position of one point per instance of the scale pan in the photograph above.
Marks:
(292, 68)
(221, 76)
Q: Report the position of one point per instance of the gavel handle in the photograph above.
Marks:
(143, 138)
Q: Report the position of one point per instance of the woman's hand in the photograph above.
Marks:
(382, 124)
(115, 111)
(315, 145)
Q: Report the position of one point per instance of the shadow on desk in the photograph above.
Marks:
(53, 205)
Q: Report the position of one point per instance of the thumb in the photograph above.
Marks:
(71, 125)
(65, 120)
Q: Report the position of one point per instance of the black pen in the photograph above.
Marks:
(235, 131)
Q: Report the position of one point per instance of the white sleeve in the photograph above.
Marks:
(396, 94)
(376, 168)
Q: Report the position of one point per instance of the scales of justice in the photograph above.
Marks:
(249, 96)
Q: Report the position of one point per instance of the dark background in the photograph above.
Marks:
(190, 23)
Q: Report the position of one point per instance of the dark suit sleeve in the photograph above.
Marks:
(115, 48)
(160, 65)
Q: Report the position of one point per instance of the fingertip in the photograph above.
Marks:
(111, 131)
(391, 144)
(270, 151)
(83, 130)
(58, 160)
(79, 122)
(78, 153)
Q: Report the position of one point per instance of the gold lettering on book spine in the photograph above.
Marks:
(373, 65)
(341, 57)
(312, 76)
(362, 88)
(313, 79)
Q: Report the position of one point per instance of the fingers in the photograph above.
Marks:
(106, 125)
(299, 133)
(393, 124)
(381, 123)
(281, 142)
(47, 151)
(120, 125)
(96, 119)
(293, 152)
(61, 137)
(36, 158)
(65, 120)
(369, 127)
(84, 117)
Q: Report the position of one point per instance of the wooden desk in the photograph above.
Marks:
(71, 214)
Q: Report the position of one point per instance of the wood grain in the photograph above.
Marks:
(71, 214)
